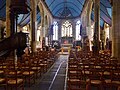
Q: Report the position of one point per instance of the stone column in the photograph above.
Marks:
(43, 34)
(97, 26)
(42, 26)
(59, 32)
(110, 33)
(88, 28)
(7, 18)
(33, 26)
(103, 39)
(74, 30)
(43, 31)
(116, 29)
(110, 38)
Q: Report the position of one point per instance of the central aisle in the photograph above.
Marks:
(55, 78)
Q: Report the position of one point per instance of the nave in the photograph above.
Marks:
(79, 70)
(36, 34)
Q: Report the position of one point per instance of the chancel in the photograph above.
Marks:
(59, 45)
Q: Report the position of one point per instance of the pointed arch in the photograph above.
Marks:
(46, 20)
(67, 29)
(41, 13)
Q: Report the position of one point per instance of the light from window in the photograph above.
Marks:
(67, 29)
(38, 33)
(25, 29)
(92, 32)
(78, 36)
(107, 31)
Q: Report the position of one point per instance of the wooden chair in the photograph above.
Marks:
(35, 67)
(116, 78)
(85, 69)
(13, 81)
(27, 73)
(95, 79)
(2, 74)
(75, 80)
(43, 63)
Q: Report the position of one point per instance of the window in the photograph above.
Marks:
(55, 31)
(25, 29)
(107, 31)
(67, 29)
(92, 32)
(78, 25)
(91, 36)
(38, 33)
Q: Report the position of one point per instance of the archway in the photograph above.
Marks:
(42, 23)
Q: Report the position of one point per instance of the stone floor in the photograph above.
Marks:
(55, 78)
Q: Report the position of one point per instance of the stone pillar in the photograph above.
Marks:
(110, 38)
(42, 22)
(41, 37)
(116, 29)
(74, 30)
(33, 26)
(103, 39)
(46, 30)
(88, 28)
(7, 18)
(46, 26)
(43, 31)
(97, 25)
(42, 27)
(110, 33)
(59, 32)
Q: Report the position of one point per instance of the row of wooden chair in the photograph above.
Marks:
(10, 76)
(15, 74)
(92, 71)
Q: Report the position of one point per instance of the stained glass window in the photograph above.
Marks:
(66, 29)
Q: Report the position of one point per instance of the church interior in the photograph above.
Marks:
(59, 45)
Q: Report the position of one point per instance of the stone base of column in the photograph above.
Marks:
(33, 46)
(95, 50)
(116, 50)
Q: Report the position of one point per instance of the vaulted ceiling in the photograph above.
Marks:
(64, 9)
(2, 9)
(73, 8)
(23, 19)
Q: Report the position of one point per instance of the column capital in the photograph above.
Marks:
(8, 24)
(97, 1)
(111, 1)
(115, 2)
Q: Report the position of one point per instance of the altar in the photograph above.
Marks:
(66, 44)
(66, 47)
(67, 40)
